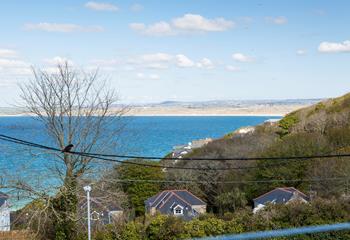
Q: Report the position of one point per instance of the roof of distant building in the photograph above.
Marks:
(279, 195)
(164, 196)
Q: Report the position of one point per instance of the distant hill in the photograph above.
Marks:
(322, 128)
(234, 103)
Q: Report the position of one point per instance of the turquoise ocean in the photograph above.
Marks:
(150, 136)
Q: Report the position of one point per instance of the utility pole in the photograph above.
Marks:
(87, 189)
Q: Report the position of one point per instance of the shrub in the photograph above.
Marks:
(194, 228)
(165, 227)
(131, 231)
(214, 226)
(287, 123)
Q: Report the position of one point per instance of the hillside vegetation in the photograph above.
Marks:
(322, 128)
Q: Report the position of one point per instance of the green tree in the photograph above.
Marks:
(138, 192)
(164, 227)
(229, 201)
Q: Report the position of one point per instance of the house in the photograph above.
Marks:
(181, 150)
(102, 213)
(272, 121)
(179, 203)
(245, 130)
(4, 212)
(282, 195)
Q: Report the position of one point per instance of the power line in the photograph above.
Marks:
(218, 159)
(102, 157)
(230, 182)
(176, 167)
(4, 137)
(96, 157)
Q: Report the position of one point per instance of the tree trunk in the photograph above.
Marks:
(65, 209)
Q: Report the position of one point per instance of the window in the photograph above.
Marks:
(178, 210)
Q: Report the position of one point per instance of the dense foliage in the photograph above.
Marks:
(161, 227)
(138, 192)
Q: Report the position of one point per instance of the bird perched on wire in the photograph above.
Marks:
(67, 148)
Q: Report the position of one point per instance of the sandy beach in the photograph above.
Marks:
(259, 110)
(254, 110)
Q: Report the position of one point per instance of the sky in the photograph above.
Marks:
(182, 50)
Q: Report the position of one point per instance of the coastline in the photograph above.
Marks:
(254, 110)
(207, 115)
(181, 111)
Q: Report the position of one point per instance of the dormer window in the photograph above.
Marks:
(178, 210)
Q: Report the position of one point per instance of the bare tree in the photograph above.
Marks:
(76, 108)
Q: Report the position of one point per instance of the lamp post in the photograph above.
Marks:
(87, 189)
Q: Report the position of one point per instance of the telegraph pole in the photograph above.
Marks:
(87, 189)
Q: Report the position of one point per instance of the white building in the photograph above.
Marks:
(180, 151)
(4, 213)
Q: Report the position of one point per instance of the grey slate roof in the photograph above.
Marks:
(164, 196)
(165, 202)
(3, 198)
(279, 195)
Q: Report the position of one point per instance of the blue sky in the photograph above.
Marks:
(154, 51)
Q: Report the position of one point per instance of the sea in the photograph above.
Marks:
(152, 136)
(142, 136)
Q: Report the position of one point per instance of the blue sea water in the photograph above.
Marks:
(153, 136)
(150, 136)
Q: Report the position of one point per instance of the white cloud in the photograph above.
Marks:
(99, 6)
(14, 67)
(205, 63)
(5, 63)
(232, 68)
(183, 61)
(156, 29)
(277, 20)
(8, 53)
(147, 76)
(152, 60)
(136, 7)
(195, 22)
(137, 26)
(157, 66)
(158, 61)
(58, 60)
(59, 27)
(140, 75)
(246, 19)
(156, 57)
(301, 52)
(240, 57)
(188, 23)
(334, 47)
(154, 76)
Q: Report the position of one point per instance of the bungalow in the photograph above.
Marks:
(283, 195)
(179, 203)
(4, 212)
(103, 213)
